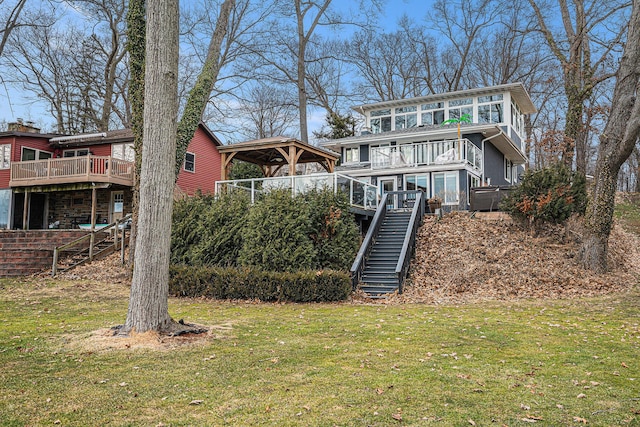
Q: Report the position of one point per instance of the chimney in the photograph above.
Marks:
(20, 126)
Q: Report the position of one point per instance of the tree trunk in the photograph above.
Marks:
(616, 144)
(136, 28)
(148, 302)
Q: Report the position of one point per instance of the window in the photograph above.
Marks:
(417, 182)
(380, 121)
(5, 203)
(190, 162)
(490, 109)
(5, 156)
(34, 154)
(123, 151)
(508, 169)
(406, 117)
(517, 119)
(445, 186)
(432, 114)
(76, 153)
(351, 155)
(460, 107)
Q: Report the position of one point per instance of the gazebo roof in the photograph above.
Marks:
(276, 152)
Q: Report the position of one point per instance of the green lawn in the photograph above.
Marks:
(545, 362)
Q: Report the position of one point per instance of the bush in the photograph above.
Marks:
(333, 229)
(276, 234)
(251, 283)
(208, 231)
(549, 195)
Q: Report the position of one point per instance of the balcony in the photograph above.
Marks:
(97, 169)
(361, 194)
(445, 152)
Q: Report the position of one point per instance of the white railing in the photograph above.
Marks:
(427, 153)
(361, 194)
(73, 167)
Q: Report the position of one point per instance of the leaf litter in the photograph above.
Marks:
(463, 259)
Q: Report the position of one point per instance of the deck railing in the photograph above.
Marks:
(361, 194)
(65, 169)
(427, 153)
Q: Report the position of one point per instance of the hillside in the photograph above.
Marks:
(462, 259)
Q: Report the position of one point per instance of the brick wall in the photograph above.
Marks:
(27, 252)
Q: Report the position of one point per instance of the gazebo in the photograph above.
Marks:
(272, 154)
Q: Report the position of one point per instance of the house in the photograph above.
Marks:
(58, 181)
(412, 144)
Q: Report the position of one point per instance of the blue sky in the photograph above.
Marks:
(13, 105)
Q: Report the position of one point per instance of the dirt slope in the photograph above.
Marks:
(462, 259)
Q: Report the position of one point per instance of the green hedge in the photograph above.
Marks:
(252, 283)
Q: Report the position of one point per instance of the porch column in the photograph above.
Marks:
(292, 160)
(93, 221)
(25, 211)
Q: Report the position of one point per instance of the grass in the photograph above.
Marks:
(511, 363)
(628, 211)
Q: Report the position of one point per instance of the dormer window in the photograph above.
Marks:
(406, 117)
(432, 114)
(490, 109)
(380, 121)
(460, 107)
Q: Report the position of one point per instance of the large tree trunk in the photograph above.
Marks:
(616, 144)
(148, 303)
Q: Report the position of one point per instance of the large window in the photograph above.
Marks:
(123, 151)
(490, 109)
(351, 155)
(5, 202)
(406, 117)
(190, 162)
(460, 107)
(417, 182)
(432, 114)
(34, 154)
(5, 156)
(445, 186)
(380, 121)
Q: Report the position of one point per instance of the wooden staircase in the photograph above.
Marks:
(379, 274)
(382, 263)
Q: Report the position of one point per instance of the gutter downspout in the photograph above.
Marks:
(500, 132)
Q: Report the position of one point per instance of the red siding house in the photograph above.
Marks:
(57, 181)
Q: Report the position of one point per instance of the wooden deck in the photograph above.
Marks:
(71, 170)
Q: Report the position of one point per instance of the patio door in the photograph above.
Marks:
(117, 205)
(387, 185)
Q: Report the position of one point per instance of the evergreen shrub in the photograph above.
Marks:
(549, 195)
(252, 283)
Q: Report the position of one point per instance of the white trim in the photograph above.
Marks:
(184, 164)
(37, 155)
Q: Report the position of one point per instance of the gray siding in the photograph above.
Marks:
(364, 152)
(494, 165)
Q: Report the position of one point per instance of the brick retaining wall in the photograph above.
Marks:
(31, 251)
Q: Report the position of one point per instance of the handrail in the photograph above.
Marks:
(367, 243)
(408, 246)
(90, 236)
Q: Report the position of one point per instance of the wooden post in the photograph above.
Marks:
(93, 222)
(25, 211)
(292, 160)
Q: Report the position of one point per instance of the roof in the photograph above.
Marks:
(494, 132)
(111, 137)
(517, 90)
(265, 150)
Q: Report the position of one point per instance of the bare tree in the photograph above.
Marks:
(269, 111)
(616, 144)
(148, 302)
(585, 48)
(10, 15)
(77, 71)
